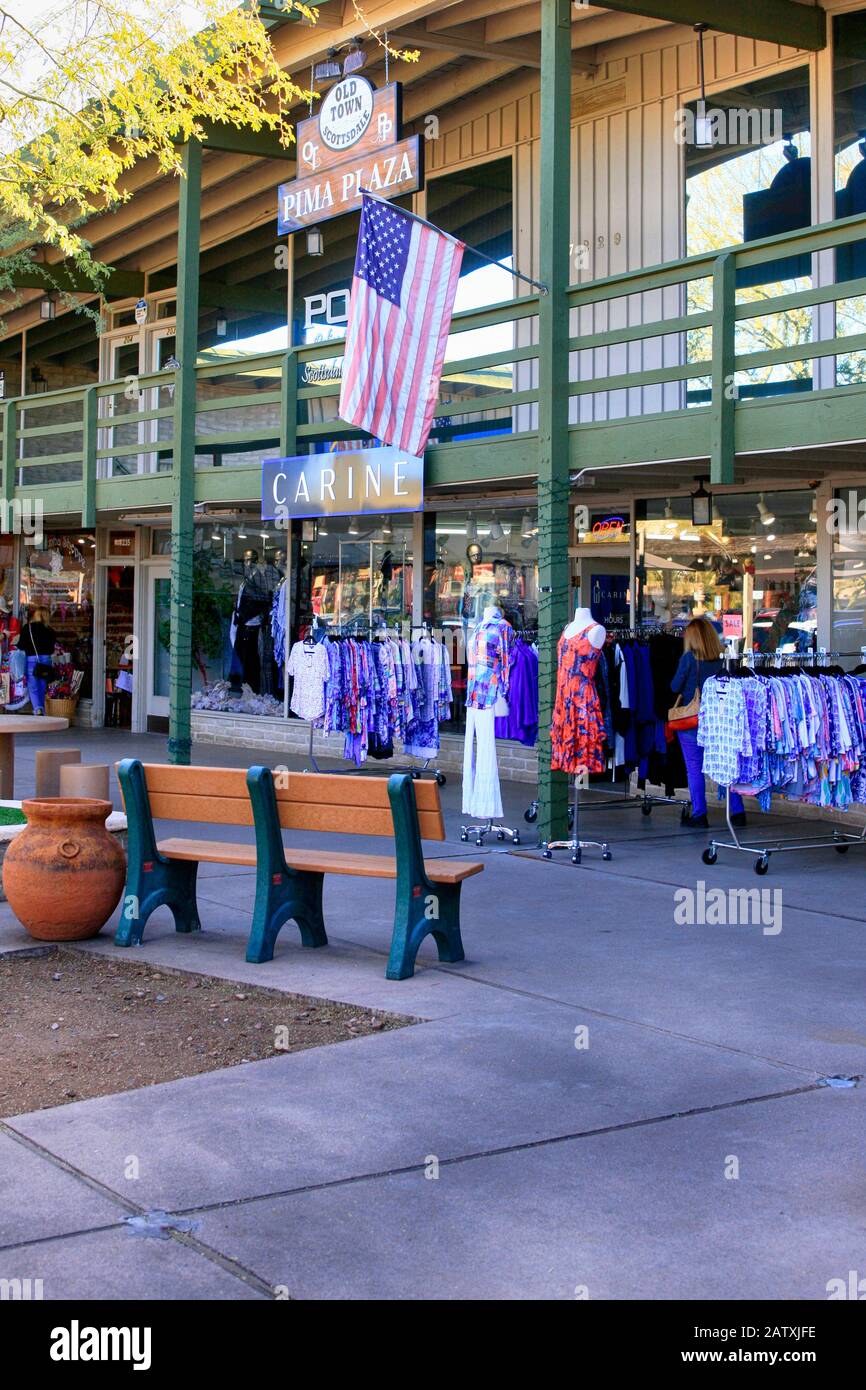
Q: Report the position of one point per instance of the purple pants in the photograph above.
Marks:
(693, 755)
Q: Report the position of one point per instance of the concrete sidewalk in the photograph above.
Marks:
(598, 1099)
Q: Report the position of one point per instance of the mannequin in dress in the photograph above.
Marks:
(489, 658)
(585, 622)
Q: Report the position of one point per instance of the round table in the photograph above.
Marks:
(12, 724)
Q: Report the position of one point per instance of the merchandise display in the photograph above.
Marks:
(793, 733)
(375, 690)
(490, 657)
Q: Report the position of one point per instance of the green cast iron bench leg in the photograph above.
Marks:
(281, 893)
(151, 880)
(422, 908)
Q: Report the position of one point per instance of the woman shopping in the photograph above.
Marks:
(37, 642)
(701, 659)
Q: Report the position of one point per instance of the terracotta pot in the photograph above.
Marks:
(64, 874)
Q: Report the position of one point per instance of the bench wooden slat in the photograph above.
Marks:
(339, 805)
(318, 861)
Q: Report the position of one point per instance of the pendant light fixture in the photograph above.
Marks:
(328, 69)
(703, 124)
(315, 242)
(355, 59)
(702, 504)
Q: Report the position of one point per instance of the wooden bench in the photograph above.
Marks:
(289, 881)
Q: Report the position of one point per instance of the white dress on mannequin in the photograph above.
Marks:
(489, 662)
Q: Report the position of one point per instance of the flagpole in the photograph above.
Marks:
(518, 274)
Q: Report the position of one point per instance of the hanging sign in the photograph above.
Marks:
(330, 193)
(358, 482)
(353, 142)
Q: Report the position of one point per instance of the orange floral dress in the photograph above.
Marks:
(577, 731)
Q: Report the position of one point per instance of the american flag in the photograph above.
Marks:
(403, 291)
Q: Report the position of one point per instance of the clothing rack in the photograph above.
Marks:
(367, 633)
(839, 840)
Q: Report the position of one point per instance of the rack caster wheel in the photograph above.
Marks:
(607, 856)
(547, 854)
(531, 814)
(710, 855)
(685, 813)
(464, 837)
(841, 849)
(441, 779)
(762, 865)
(500, 834)
(415, 774)
(575, 859)
(515, 839)
(646, 809)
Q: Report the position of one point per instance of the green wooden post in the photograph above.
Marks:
(10, 450)
(553, 444)
(723, 408)
(183, 462)
(89, 435)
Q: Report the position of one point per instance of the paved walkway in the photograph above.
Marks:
(605, 1166)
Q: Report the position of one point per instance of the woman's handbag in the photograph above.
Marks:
(43, 670)
(682, 717)
(17, 664)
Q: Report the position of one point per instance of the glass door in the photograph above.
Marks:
(157, 686)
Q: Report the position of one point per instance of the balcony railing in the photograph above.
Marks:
(686, 359)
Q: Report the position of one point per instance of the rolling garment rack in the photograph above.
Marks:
(839, 840)
(367, 633)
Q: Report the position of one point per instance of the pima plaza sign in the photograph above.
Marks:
(355, 483)
(352, 143)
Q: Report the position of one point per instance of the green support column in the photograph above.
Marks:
(553, 449)
(722, 411)
(183, 476)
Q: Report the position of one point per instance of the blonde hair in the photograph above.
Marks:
(701, 639)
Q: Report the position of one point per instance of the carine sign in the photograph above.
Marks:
(356, 483)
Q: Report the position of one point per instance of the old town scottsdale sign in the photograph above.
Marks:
(351, 144)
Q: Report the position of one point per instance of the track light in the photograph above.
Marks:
(354, 528)
(766, 516)
(496, 532)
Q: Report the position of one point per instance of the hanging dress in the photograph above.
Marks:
(577, 731)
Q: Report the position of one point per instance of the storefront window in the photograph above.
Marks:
(57, 577)
(849, 64)
(354, 573)
(751, 572)
(474, 559)
(238, 571)
(849, 572)
(752, 181)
